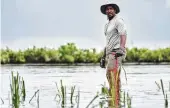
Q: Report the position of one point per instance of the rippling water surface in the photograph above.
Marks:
(140, 84)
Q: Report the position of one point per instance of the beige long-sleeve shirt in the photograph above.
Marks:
(113, 30)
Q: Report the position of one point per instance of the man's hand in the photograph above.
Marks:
(102, 62)
(119, 52)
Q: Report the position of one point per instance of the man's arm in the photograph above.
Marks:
(122, 41)
(122, 32)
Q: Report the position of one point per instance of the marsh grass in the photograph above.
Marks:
(129, 101)
(2, 101)
(101, 104)
(18, 92)
(33, 96)
(111, 95)
(95, 97)
(38, 102)
(164, 94)
(125, 100)
(78, 98)
(72, 93)
(158, 85)
(36, 94)
(62, 94)
(104, 89)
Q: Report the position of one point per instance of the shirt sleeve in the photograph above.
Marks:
(121, 27)
(105, 28)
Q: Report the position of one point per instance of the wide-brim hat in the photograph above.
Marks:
(115, 6)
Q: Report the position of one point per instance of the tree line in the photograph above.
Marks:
(69, 53)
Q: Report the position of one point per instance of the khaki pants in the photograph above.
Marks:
(113, 75)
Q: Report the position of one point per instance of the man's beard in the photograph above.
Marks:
(110, 17)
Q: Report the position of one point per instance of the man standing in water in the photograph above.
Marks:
(114, 53)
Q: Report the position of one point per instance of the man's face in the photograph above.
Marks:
(110, 12)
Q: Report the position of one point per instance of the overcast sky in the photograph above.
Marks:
(51, 23)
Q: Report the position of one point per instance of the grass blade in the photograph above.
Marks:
(62, 92)
(158, 85)
(58, 88)
(92, 100)
(78, 98)
(129, 101)
(72, 93)
(38, 101)
(65, 94)
(2, 101)
(166, 101)
(162, 88)
(124, 97)
(23, 90)
(33, 96)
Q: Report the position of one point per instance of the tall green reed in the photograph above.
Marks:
(125, 101)
(18, 92)
(72, 94)
(62, 94)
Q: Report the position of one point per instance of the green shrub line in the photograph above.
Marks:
(70, 53)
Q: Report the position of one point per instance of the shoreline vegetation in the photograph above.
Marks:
(70, 54)
(82, 64)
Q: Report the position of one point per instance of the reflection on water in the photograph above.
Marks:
(140, 83)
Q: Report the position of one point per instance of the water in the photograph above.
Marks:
(140, 85)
